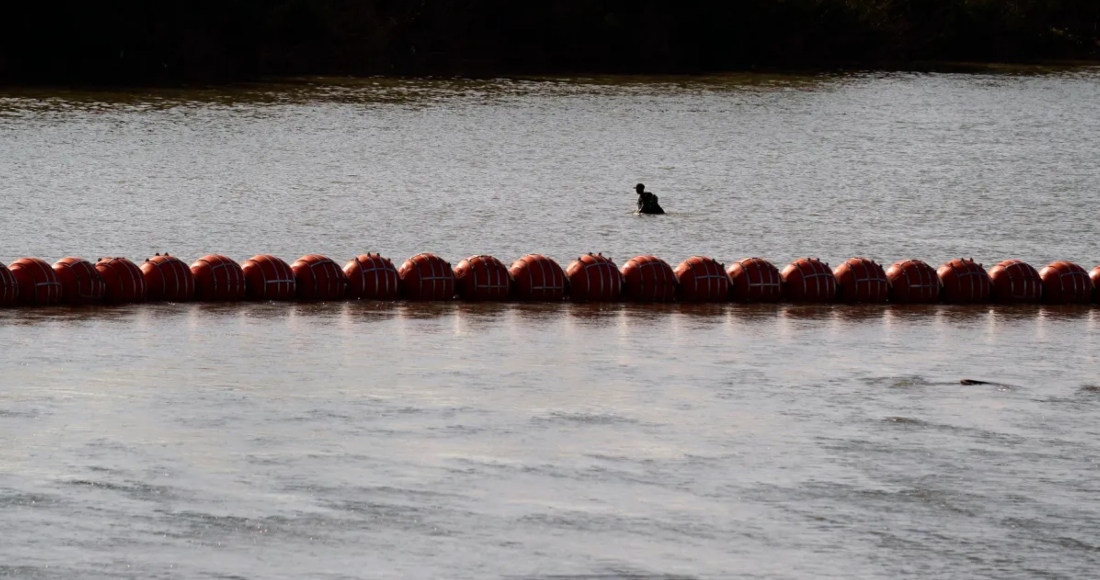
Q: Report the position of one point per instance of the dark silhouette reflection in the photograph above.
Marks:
(35, 315)
(426, 310)
(717, 312)
(756, 311)
(481, 314)
(649, 311)
(860, 312)
(332, 310)
(963, 312)
(537, 311)
(910, 312)
(595, 313)
(807, 311)
(1065, 312)
(1015, 312)
(374, 309)
(496, 312)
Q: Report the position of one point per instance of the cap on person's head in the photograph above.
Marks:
(639, 188)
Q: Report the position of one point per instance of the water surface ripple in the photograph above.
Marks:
(364, 440)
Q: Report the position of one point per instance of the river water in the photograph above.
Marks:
(366, 440)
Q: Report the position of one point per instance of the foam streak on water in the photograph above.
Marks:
(360, 440)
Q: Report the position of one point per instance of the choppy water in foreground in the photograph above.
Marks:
(362, 440)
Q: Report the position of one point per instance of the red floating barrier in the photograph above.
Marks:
(913, 282)
(702, 279)
(482, 278)
(9, 287)
(125, 281)
(964, 282)
(372, 277)
(754, 280)
(594, 278)
(38, 284)
(1095, 277)
(427, 277)
(538, 278)
(218, 278)
(648, 279)
(168, 279)
(808, 280)
(861, 280)
(318, 278)
(1015, 281)
(268, 277)
(1066, 283)
(80, 282)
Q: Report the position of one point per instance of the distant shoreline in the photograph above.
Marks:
(929, 67)
(142, 44)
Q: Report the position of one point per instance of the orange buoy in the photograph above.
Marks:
(808, 280)
(9, 287)
(427, 277)
(217, 278)
(648, 279)
(702, 279)
(1015, 281)
(754, 280)
(964, 282)
(80, 282)
(482, 278)
(536, 277)
(594, 278)
(318, 278)
(125, 281)
(38, 284)
(861, 280)
(1095, 277)
(268, 277)
(1066, 283)
(168, 279)
(913, 282)
(371, 277)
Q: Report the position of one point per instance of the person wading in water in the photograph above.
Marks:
(647, 201)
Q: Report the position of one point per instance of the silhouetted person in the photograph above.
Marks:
(647, 201)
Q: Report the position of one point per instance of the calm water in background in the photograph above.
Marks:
(362, 440)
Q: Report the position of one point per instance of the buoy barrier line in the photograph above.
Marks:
(9, 287)
(797, 278)
(268, 277)
(1066, 283)
(1094, 275)
(168, 278)
(556, 279)
(371, 276)
(80, 282)
(755, 280)
(316, 277)
(607, 286)
(592, 277)
(696, 269)
(38, 284)
(482, 278)
(1015, 281)
(537, 278)
(218, 278)
(861, 280)
(913, 282)
(964, 282)
(125, 281)
(420, 270)
(648, 278)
